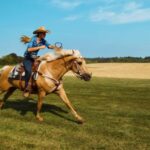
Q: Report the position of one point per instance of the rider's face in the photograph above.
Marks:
(42, 35)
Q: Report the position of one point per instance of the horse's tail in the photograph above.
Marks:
(25, 39)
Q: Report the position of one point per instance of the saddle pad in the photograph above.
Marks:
(15, 74)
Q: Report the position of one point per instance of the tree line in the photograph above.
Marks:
(12, 59)
(118, 60)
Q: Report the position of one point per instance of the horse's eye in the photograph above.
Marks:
(80, 63)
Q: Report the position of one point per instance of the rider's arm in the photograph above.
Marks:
(31, 49)
(48, 45)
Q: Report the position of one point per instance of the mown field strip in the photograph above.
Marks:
(116, 113)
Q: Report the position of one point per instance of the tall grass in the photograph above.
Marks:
(116, 111)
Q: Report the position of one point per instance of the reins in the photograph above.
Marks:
(57, 82)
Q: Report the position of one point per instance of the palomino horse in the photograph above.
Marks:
(49, 80)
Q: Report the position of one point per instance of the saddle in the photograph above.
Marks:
(18, 73)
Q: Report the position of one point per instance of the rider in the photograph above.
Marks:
(36, 43)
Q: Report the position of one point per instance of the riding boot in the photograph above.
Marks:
(27, 91)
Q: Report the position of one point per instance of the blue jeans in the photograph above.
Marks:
(28, 70)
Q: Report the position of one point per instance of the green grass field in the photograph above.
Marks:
(116, 111)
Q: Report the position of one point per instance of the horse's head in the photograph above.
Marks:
(72, 61)
(80, 70)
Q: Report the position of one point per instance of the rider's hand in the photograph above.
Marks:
(51, 46)
(42, 47)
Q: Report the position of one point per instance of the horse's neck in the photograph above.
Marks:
(58, 68)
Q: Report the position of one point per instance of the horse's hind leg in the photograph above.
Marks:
(6, 96)
(1, 101)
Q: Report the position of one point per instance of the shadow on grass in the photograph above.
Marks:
(24, 106)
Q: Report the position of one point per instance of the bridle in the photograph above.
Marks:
(78, 73)
(77, 66)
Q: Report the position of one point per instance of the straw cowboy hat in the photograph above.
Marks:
(41, 30)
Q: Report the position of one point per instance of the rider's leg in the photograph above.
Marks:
(28, 70)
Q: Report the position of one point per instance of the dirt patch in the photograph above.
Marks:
(120, 70)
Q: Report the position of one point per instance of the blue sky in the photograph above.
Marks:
(98, 28)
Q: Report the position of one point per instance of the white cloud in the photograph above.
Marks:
(132, 6)
(72, 18)
(71, 4)
(128, 13)
(65, 4)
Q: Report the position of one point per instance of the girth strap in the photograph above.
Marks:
(56, 82)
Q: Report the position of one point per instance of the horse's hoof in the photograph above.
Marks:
(39, 119)
(80, 121)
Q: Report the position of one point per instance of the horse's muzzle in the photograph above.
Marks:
(86, 76)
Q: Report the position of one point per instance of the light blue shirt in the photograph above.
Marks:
(33, 43)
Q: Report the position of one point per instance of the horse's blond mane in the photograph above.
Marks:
(52, 57)
(55, 58)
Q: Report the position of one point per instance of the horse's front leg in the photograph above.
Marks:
(41, 95)
(62, 94)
